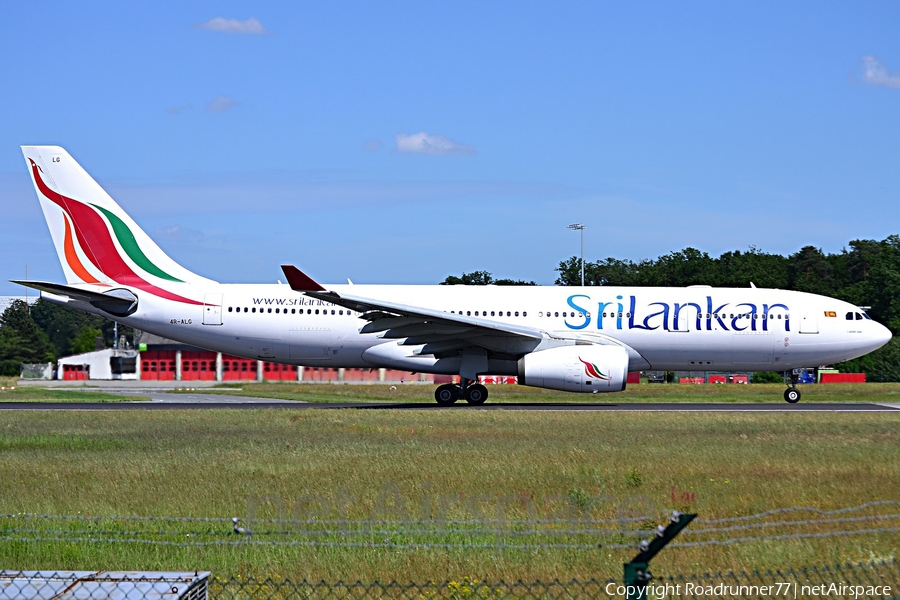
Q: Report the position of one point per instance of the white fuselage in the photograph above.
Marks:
(695, 328)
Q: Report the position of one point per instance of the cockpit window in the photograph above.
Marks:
(849, 316)
(866, 316)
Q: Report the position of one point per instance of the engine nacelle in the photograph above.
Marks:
(576, 369)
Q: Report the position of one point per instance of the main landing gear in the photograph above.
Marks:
(474, 393)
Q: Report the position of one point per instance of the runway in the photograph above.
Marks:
(181, 401)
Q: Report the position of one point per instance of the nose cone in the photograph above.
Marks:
(881, 336)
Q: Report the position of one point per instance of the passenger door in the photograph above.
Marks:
(212, 309)
(809, 323)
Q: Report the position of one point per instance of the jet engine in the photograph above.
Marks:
(590, 368)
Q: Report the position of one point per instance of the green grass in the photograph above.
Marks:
(347, 463)
(325, 392)
(73, 394)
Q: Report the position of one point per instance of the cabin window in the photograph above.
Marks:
(254, 309)
(317, 311)
(556, 314)
(517, 313)
(277, 310)
(229, 309)
(524, 314)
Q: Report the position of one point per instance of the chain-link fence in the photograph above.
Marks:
(882, 377)
(103, 585)
(880, 579)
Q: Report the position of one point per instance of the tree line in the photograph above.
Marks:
(44, 332)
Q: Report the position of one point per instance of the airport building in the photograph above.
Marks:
(160, 359)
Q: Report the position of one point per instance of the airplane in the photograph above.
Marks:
(574, 339)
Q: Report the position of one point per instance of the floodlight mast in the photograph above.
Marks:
(580, 227)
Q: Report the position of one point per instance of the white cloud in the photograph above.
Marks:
(177, 110)
(875, 73)
(250, 26)
(178, 234)
(221, 103)
(425, 143)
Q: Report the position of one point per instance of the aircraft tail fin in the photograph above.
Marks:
(97, 242)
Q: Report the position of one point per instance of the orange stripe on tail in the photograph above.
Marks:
(72, 256)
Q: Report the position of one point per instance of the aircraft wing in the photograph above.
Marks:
(442, 333)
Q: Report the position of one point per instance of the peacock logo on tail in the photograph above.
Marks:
(86, 226)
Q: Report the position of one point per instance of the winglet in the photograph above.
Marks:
(300, 281)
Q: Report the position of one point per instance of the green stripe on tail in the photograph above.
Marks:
(130, 245)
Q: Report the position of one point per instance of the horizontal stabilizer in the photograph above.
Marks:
(119, 302)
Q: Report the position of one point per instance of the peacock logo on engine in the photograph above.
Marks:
(592, 370)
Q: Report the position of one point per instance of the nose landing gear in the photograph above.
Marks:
(792, 394)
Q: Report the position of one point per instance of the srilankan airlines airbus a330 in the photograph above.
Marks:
(576, 339)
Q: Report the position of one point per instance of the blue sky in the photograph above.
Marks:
(404, 142)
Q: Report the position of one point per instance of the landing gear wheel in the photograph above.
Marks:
(446, 394)
(476, 394)
(792, 395)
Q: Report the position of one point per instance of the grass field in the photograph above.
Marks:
(363, 465)
(324, 392)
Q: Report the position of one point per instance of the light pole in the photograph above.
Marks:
(580, 227)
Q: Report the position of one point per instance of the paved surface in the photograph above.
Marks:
(117, 385)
